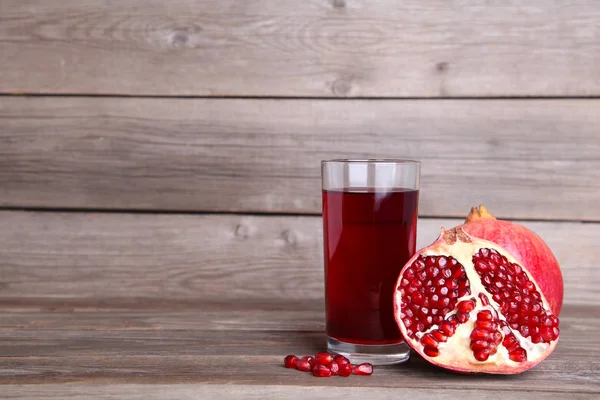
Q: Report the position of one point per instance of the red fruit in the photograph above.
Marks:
(525, 246)
(495, 316)
(345, 369)
(334, 367)
(290, 361)
(323, 358)
(363, 369)
(310, 359)
(303, 365)
(340, 359)
(321, 371)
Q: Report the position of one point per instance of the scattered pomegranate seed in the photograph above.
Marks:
(310, 359)
(340, 359)
(345, 369)
(303, 365)
(334, 367)
(325, 364)
(321, 371)
(290, 361)
(323, 358)
(363, 369)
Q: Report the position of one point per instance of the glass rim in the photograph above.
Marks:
(370, 161)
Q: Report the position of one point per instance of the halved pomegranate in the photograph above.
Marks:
(467, 305)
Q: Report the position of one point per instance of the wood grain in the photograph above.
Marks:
(175, 355)
(336, 48)
(527, 159)
(226, 322)
(117, 258)
(208, 391)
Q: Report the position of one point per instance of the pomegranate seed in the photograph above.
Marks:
(478, 345)
(433, 271)
(484, 315)
(452, 284)
(466, 306)
(431, 351)
(303, 365)
(481, 355)
(345, 369)
(321, 371)
(546, 333)
(340, 359)
(447, 328)
(453, 321)
(481, 266)
(439, 336)
(518, 355)
(462, 318)
(334, 368)
(458, 272)
(290, 361)
(310, 359)
(496, 336)
(487, 325)
(441, 261)
(480, 334)
(428, 341)
(363, 369)
(323, 358)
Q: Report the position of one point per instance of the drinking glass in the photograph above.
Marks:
(369, 225)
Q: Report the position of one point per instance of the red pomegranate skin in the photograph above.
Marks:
(529, 249)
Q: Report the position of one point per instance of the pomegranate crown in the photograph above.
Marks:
(479, 213)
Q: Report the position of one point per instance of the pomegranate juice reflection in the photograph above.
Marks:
(369, 235)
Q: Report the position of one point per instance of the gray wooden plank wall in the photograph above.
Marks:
(159, 164)
(333, 48)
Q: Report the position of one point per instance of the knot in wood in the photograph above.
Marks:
(242, 231)
(289, 238)
(341, 87)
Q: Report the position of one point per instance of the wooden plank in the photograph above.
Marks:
(222, 357)
(300, 322)
(312, 48)
(527, 159)
(218, 258)
(292, 317)
(174, 355)
(225, 392)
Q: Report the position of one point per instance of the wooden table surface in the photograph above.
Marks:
(104, 315)
(160, 187)
(180, 350)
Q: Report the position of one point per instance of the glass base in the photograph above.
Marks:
(376, 354)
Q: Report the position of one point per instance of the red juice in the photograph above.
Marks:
(368, 235)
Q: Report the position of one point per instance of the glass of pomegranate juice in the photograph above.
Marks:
(369, 228)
